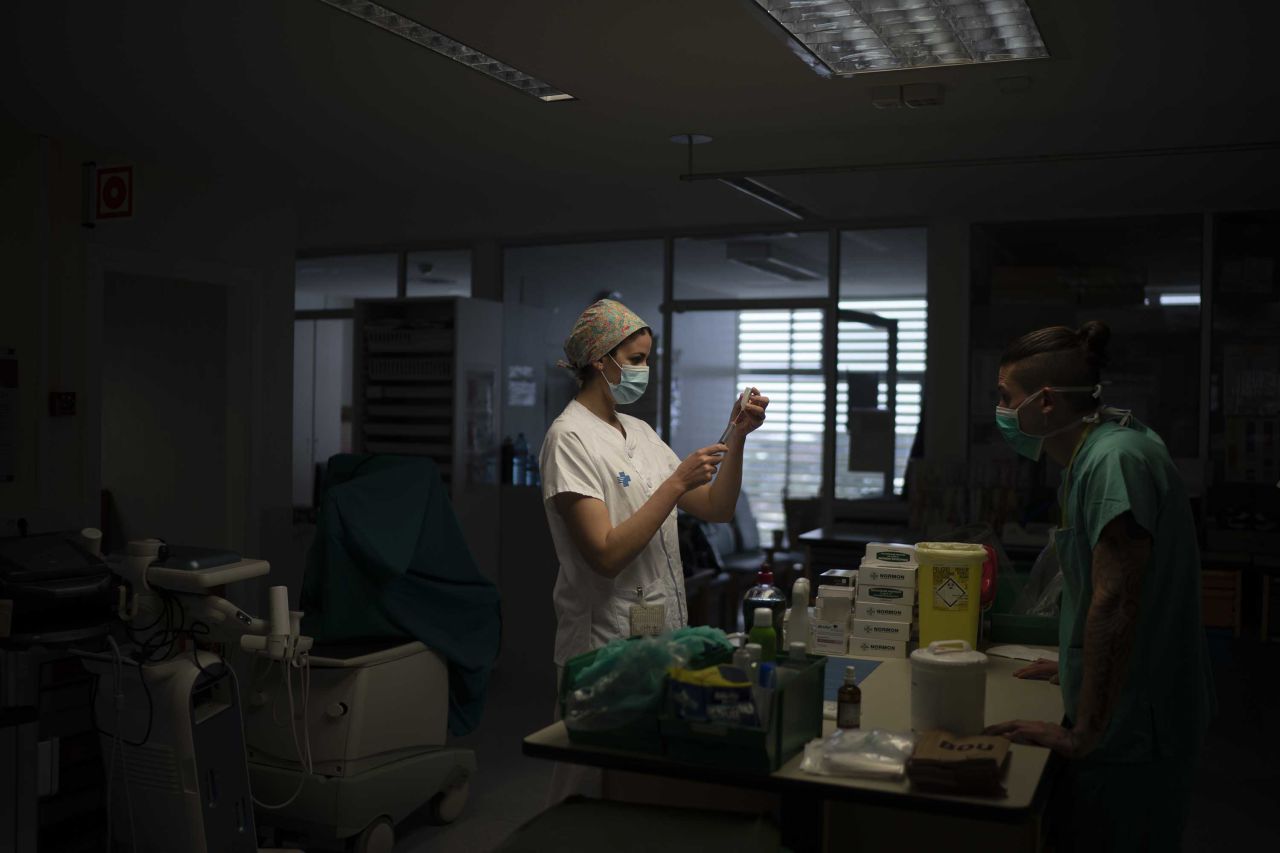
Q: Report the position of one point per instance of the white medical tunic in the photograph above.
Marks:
(583, 455)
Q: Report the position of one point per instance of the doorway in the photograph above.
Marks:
(167, 435)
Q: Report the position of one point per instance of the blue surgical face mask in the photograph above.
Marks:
(631, 384)
(1026, 444)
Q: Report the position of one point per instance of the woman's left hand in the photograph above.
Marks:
(749, 418)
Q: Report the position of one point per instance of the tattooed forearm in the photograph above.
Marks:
(1119, 563)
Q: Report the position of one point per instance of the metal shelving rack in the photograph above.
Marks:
(426, 382)
(407, 391)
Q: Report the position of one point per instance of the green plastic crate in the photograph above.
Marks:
(795, 719)
(1025, 630)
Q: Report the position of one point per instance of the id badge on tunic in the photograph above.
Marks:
(647, 620)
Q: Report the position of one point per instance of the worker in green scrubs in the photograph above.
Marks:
(1133, 664)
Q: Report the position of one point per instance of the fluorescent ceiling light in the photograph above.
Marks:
(855, 36)
(768, 195)
(411, 30)
(773, 260)
(1179, 299)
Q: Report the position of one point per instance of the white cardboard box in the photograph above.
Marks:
(886, 574)
(890, 552)
(865, 647)
(838, 577)
(886, 594)
(830, 638)
(880, 630)
(884, 611)
(836, 605)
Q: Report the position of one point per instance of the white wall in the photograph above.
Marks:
(23, 307)
(165, 407)
(334, 359)
(323, 363)
(239, 234)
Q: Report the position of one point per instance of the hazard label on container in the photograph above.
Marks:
(950, 588)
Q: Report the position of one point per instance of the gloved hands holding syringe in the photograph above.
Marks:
(747, 415)
(699, 467)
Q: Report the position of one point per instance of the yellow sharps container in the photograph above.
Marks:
(950, 590)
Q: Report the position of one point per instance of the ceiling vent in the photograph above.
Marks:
(916, 95)
(771, 259)
(886, 97)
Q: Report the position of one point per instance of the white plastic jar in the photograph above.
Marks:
(949, 688)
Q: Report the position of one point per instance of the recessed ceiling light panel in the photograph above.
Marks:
(856, 36)
(411, 30)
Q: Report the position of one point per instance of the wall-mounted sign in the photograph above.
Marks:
(114, 192)
(522, 388)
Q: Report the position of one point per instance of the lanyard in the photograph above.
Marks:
(1066, 478)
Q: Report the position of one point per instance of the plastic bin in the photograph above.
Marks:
(795, 718)
(950, 590)
(1025, 630)
(639, 736)
(642, 735)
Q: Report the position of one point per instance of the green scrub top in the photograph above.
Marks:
(1167, 699)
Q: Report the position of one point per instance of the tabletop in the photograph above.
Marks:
(886, 704)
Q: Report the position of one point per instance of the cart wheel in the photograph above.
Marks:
(378, 837)
(447, 805)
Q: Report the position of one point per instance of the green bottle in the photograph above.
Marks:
(762, 632)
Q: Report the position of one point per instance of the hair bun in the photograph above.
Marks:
(1095, 335)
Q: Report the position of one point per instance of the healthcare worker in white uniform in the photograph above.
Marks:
(611, 487)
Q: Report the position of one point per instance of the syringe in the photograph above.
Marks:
(742, 407)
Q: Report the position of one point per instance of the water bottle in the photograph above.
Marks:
(520, 460)
(763, 634)
(763, 594)
(798, 621)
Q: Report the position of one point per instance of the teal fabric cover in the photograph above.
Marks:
(389, 561)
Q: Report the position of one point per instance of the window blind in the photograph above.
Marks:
(780, 352)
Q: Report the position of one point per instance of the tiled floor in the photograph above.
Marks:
(508, 788)
(1234, 808)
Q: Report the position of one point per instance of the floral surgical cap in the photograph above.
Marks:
(598, 331)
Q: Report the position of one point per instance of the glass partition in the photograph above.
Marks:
(1140, 275)
(1243, 420)
(718, 353)
(787, 265)
(883, 273)
(545, 288)
(438, 273)
(337, 282)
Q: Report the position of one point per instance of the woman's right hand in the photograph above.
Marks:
(698, 468)
(1040, 670)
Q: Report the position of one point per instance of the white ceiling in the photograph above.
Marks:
(378, 140)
